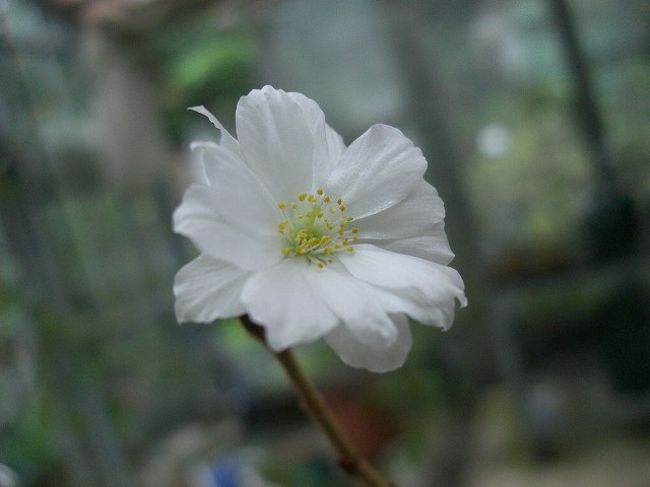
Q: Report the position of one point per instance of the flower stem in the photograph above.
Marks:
(313, 403)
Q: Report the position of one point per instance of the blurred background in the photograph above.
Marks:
(535, 118)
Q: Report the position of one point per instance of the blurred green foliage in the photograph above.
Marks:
(198, 63)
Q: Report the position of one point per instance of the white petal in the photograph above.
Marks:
(357, 354)
(414, 216)
(328, 143)
(242, 201)
(283, 300)
(207, 289)
(197, 163)
(227, 140)
(423, 280)
(276, 136)
(239, 196)
(433, 247)
(199, 217)
(440, 314)
(357, 304)
(214, 156)
(227, 154)
(377, 171)
(199, 145)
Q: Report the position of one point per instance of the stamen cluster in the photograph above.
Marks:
(316, 226)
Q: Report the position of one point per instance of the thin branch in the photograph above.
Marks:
(313, 403)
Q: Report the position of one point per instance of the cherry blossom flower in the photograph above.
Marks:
(313, 239)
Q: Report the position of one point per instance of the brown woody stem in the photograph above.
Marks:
(312, 402)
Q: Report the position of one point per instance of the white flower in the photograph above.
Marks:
(313, 239)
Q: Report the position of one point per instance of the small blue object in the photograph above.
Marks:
(227, 473)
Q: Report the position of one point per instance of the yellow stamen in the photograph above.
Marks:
(310, 229)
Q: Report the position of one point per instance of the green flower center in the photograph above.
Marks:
(316, 226)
